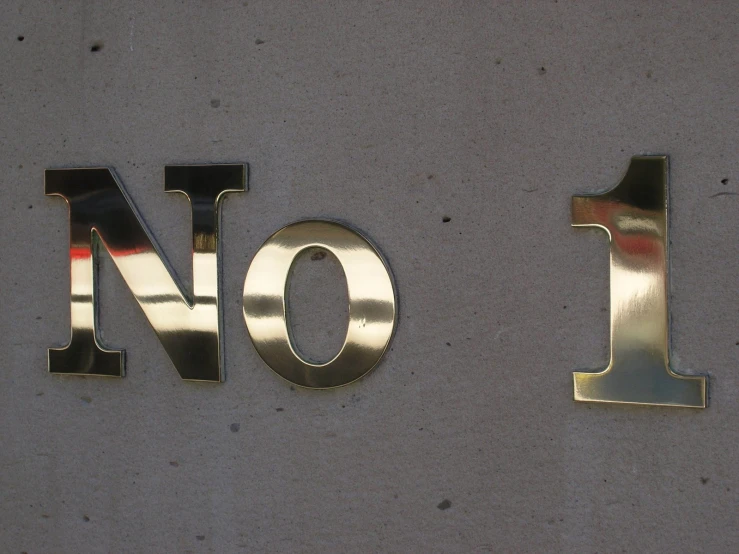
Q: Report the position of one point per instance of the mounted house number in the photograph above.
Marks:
(634, 214)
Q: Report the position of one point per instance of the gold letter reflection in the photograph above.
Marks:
(371, 303)
(634, 214)
(101, 212)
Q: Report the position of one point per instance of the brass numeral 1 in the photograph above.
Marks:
(634, 214)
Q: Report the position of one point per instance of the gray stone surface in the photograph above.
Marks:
(389, 116)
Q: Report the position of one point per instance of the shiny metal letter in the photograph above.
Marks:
(634, 214)
(371, 303)
(100, 212)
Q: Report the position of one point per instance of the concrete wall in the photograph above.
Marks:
(389, 116)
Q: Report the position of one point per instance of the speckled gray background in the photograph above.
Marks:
(390, 116)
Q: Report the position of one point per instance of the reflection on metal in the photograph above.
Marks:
(634, 214)
(101, 212)
(371, 303)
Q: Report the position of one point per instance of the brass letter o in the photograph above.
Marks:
(372, 307)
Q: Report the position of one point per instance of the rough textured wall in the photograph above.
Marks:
(392, 117)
